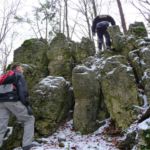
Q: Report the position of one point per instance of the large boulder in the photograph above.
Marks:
(144, 54)
(52, 98)
(138, 30)
(139, 60)
(135, 62)
(113, 83)
(64, 54)
(33, 51)
(83, 50)
(61, 61)
(122, 44)
(120, 90)
(118, 39)
(87, 99)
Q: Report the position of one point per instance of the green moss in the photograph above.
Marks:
(146, 135)
(139, 31)
(27, 43)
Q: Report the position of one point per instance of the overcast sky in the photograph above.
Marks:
(131, 15)
(130, 12)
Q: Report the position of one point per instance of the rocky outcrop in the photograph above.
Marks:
(83, 50)
(114, 81)
(33, 51)
(87, 92)
(52, 98)
(117, 76)
(138, 30)
(123, 44)
(109, 84)
(139, 59)
(119, 90)
(61, 61)
(64, 54)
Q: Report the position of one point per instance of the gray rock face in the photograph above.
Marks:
(138, 30)
(115, 84)
(83, 50)
(118, 39)
(87, 99)
(121, 43)
(139, 59)
(64, 54)
(33, 51)
(61, 61)
(120, 90)
(51, 99)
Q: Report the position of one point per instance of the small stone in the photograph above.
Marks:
(61, 145)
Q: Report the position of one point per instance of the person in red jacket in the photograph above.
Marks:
(100, 25)
(19, 108)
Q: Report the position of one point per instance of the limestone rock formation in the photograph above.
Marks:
(107, 84)
(138, 30)
(33, 51)
(64, 54)
(87, 93)
(119, 90)
(52, 98)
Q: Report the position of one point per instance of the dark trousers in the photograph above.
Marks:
(103, 33)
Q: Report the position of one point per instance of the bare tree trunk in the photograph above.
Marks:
(66, 17)
(63, 30)
(8, 13)
(84, 10)
(38, 28)
(94, 7)
(6, 16)
(60, 16)
(88, 23)
(75, 23)
(123, 22)
(46, 29)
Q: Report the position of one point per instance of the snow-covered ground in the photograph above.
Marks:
(72, 140)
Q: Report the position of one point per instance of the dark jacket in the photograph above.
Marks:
(100, 19)
(21, 87)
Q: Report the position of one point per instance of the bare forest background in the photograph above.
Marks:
(46, 18)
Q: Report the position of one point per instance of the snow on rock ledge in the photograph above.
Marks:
(145, 125)
(52, 99)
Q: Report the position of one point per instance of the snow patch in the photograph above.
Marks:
(75, 140)
(111, 72)
(52, 82)
(142, 62)
(144, 49)
(145, 125)
(145, 76)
